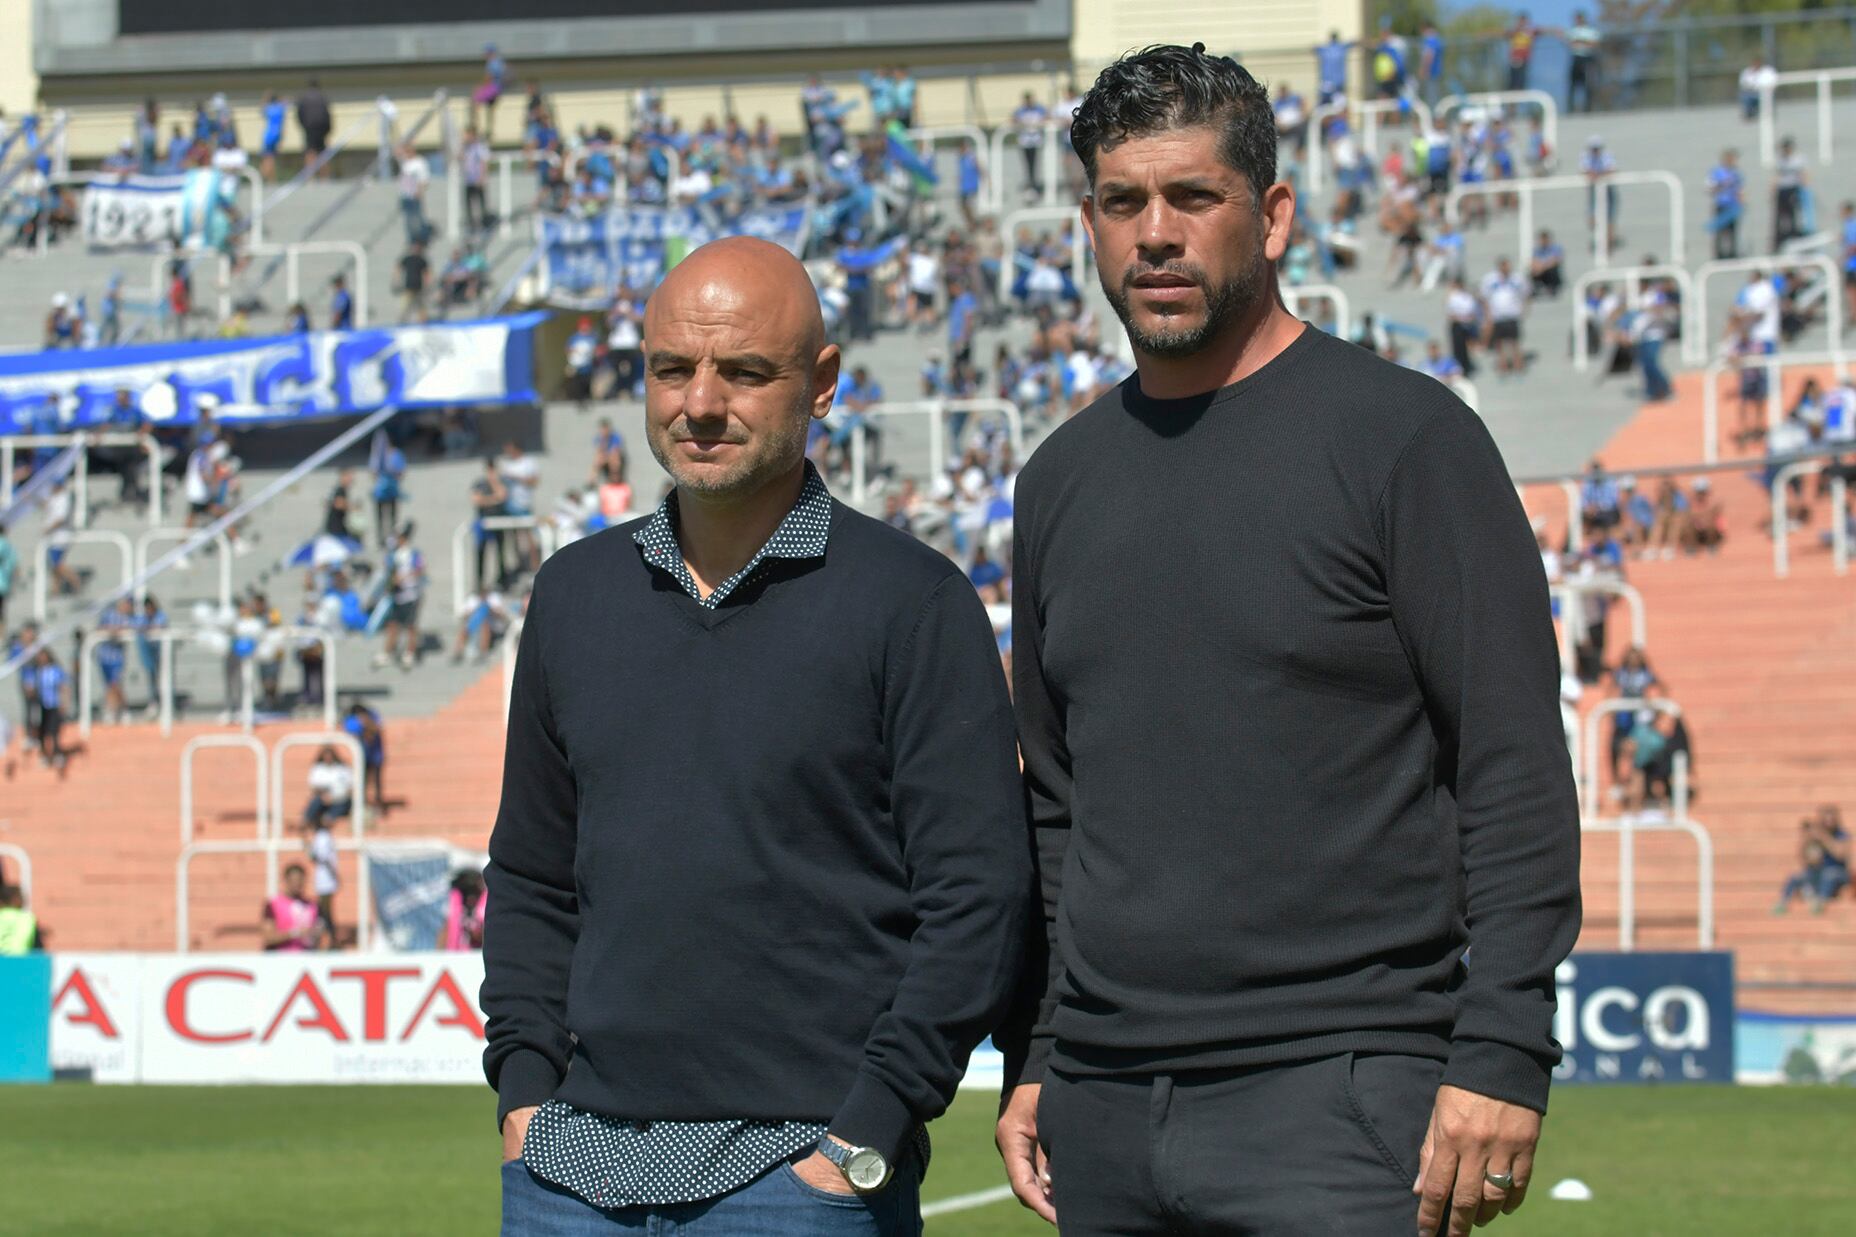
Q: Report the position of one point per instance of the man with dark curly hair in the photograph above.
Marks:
(1309, 846)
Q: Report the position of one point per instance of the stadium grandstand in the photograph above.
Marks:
(321, 331)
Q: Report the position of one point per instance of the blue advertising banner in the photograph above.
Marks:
(26, 1018)
(411, 891)
(1640, 1017)
(591, 258)
(281, 378)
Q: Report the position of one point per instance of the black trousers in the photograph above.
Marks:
(1785, 224)
(1461, 333)
(1309, 1147)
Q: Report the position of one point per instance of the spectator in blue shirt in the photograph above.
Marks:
(1331, 69)
(296, 322)
(962, 316)
(1547, 267)
(969, 180)
(341, 305)
(984, 572)
(1440, 364)
(858, 395)
(1725, 186)
(1431, 64)
(274, 111)
(49, 685)
(1599, 500)
(115, 629)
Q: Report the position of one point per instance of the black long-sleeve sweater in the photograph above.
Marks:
(1287, 696)
(760, 862)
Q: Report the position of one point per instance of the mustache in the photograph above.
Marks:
(681, 430)
(1178, 270)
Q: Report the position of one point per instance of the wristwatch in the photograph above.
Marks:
(864, 1167)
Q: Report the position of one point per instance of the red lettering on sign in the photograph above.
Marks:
(177, 1006)
(323, 1017)
(77, 986)
(463, 1013)
(374, 981)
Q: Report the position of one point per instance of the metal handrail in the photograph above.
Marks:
(1369, 110)
(982, 150)
(328, 451)
(1604, 708)
(357, 808)
(222, 550)
(1079, 243)
(272, 847)
(292, 253)
(167, 637)
(1047, 158)
(1781, 526)
(1548, 105)
(23, 862)
(42, 557)
(1627, 828)
(192, 749)
(10, 443)
(1343, 308)
(936, 410)
(1569, 591)
(541, 526)
(1774, 364)
(1768, 123)
(1601, 222)
(1694, 346)
(1833, 314)
(53, 136)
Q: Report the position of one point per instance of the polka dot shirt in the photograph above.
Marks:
(802, 534)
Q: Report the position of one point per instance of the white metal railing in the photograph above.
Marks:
(546, 544)
(42, 560)
(1601, 207)
(357, 759)
(1466, 391)
(222, 551)
(936, 410)
(1768, 122)
(166, 637)
(1833, 312)
(260, 794)
(1775, 364)
(1676, 821)
(271, 849)
(1694, 333)
(293, 253)
(1781, 525)
(1293, 299)
(1569, 591)
(1549, 108)
(1605, 708)
(1079, 244)
(1370, 110)
(933, 135)
(23, 862)
(320, 456)
(161, 262)
(1047, 163)
(80, 476)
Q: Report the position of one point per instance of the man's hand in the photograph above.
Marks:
(515, 1129)
(821, 1174)
(1017, 1136)
(1471, 1135)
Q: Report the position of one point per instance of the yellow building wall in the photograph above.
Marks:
(1274, 38)
(19, 86)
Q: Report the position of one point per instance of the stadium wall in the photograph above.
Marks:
(708, 63)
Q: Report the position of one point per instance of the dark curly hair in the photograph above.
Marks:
(1167, 87)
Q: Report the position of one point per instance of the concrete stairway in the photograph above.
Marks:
(1762, 668)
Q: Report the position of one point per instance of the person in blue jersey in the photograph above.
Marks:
(1331, 69)
(970, 180)
(115, 630)
(1431, 65)
(341, 305)
(50, 684)
(1726, 193)
(275, 109)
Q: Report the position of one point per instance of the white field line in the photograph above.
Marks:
(966, 1202)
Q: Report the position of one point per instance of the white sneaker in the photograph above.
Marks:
(380, 661)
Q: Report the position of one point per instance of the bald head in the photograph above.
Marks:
(742, 276)
(736, 365)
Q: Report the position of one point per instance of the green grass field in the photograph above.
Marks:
(411, 1160)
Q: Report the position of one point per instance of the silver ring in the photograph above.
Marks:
(1501, 1181)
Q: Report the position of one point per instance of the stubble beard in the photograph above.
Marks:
(1224, 303)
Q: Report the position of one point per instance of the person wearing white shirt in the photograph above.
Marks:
(414, 175)
(924, 280)
(1757, 307)
(1596, 165)
(1029, 121)
(1787, 194)
(1504, 294)
(1755, 80)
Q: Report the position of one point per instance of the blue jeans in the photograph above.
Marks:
(1655, 381)
(775, 1204)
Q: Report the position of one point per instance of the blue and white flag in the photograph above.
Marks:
(146, 212)
(485, 363)
(588, 260)
(410, 890)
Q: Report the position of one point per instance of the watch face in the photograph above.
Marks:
(866, 1169)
